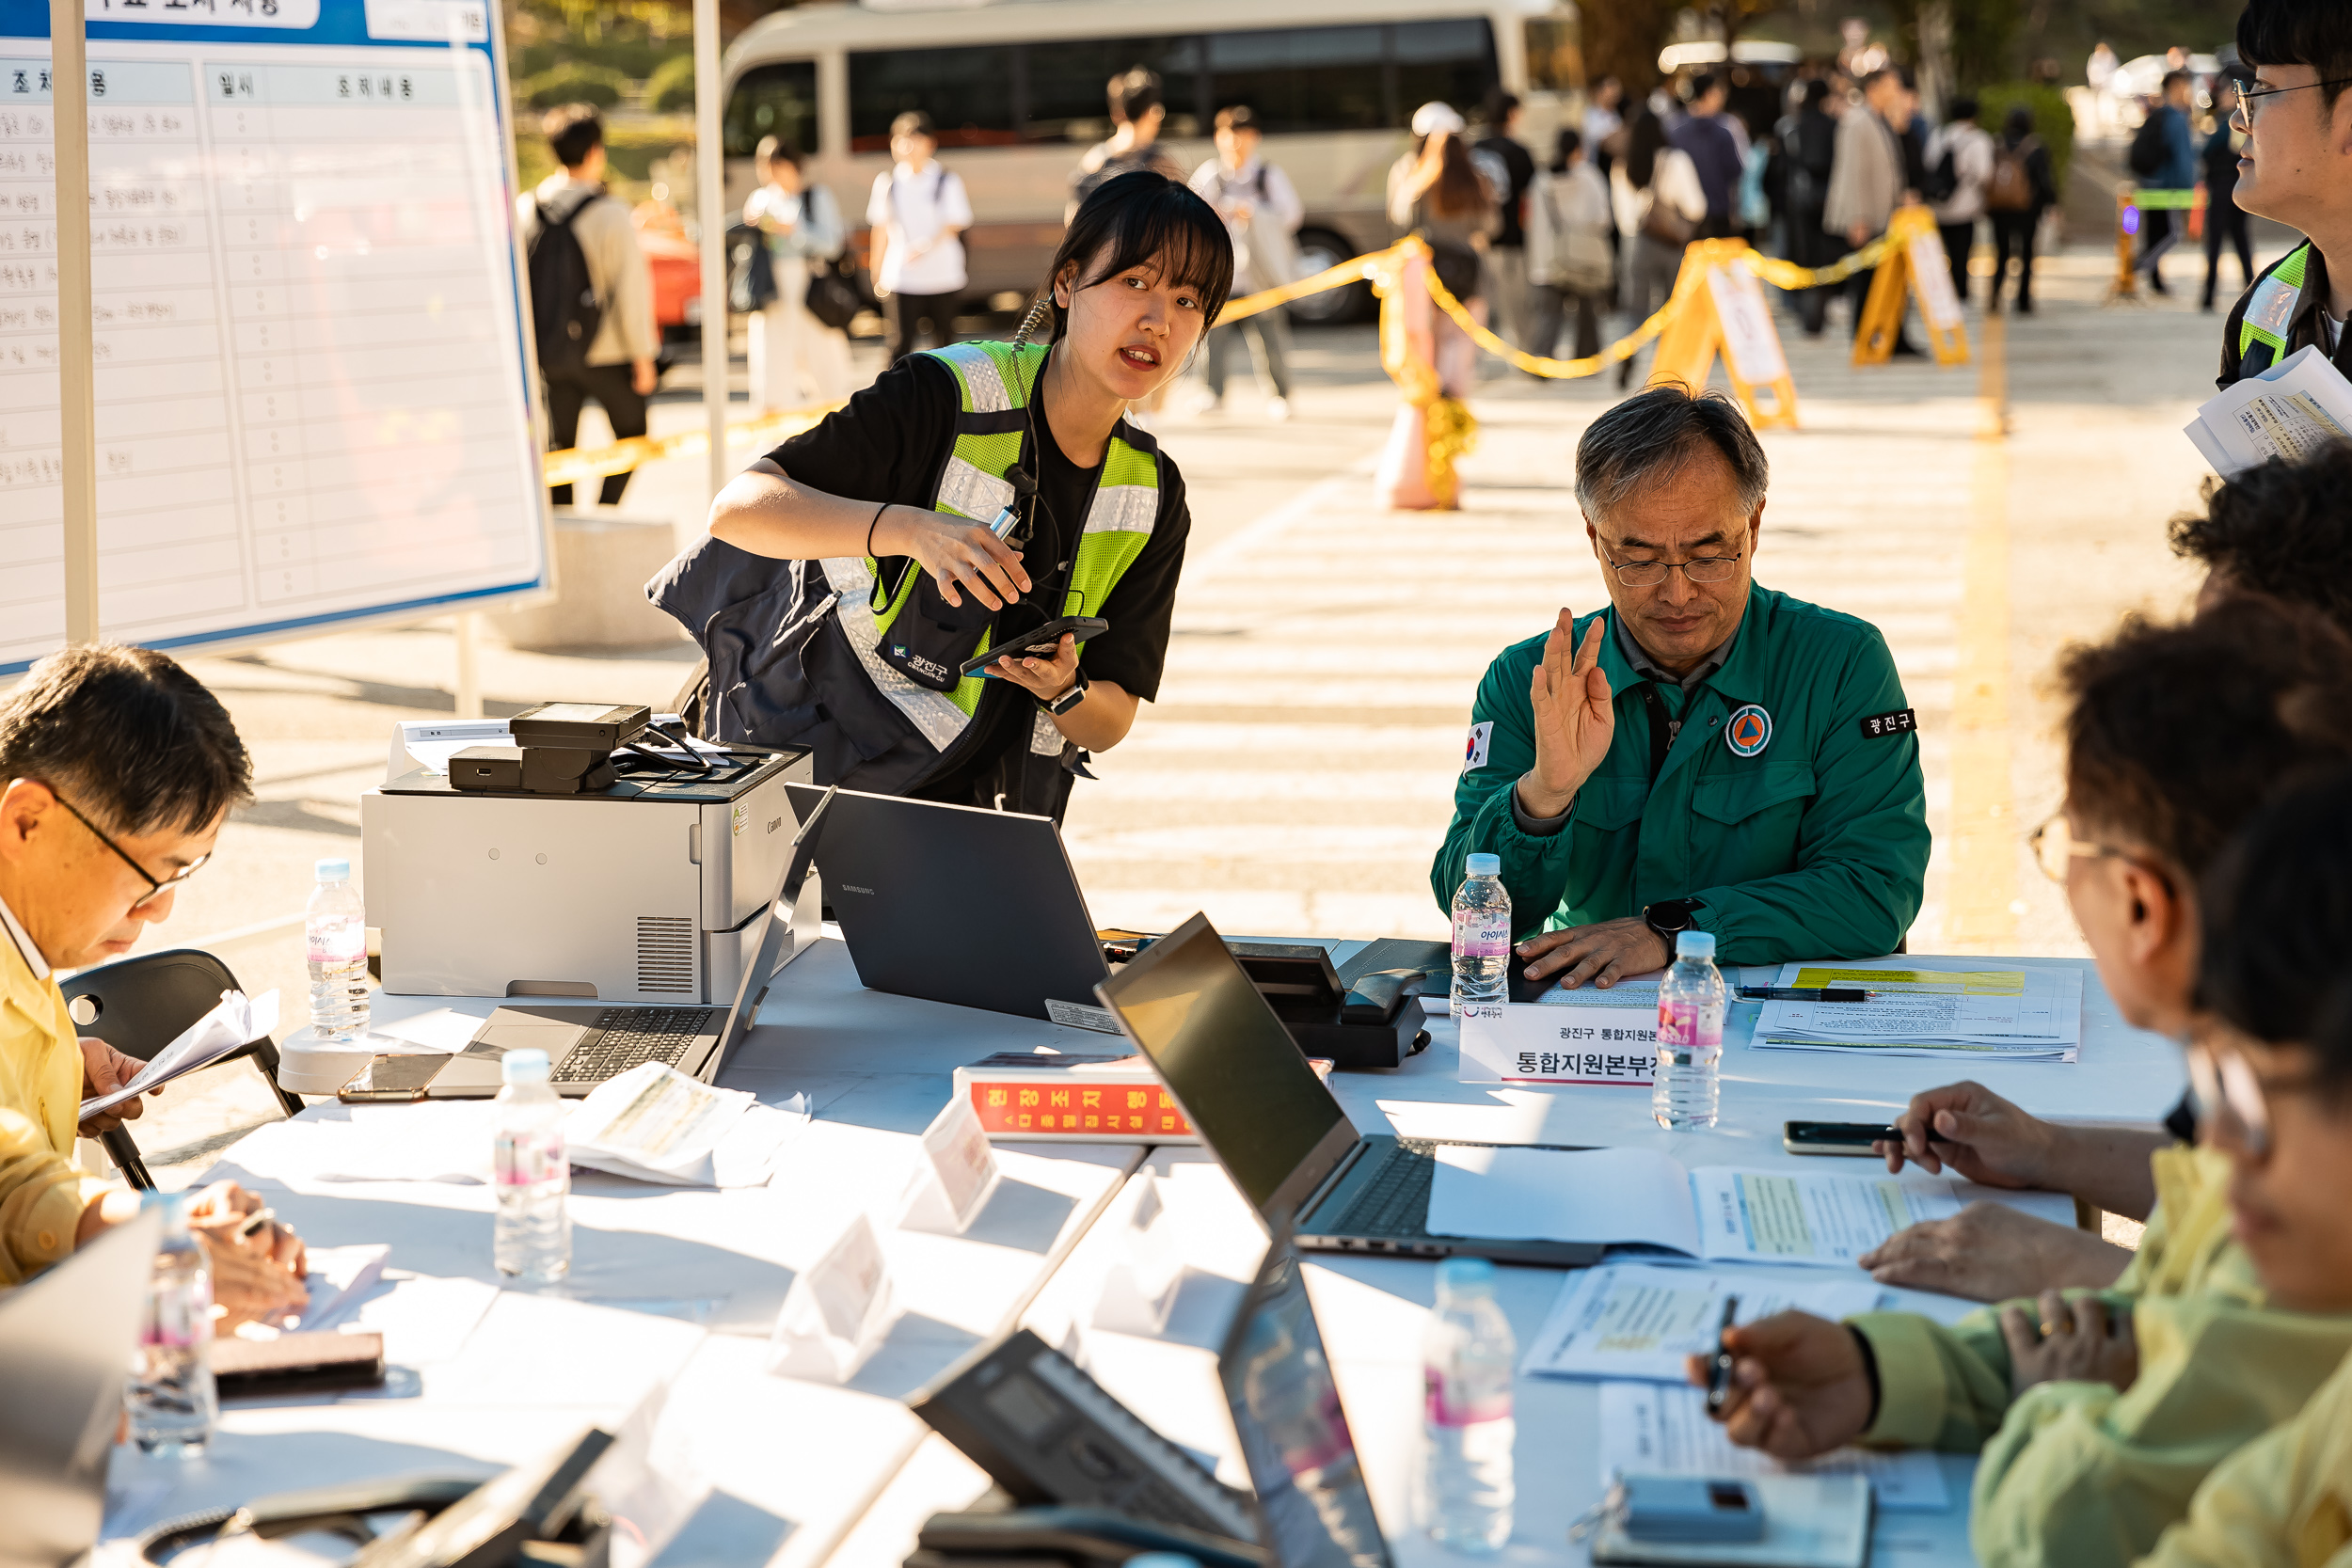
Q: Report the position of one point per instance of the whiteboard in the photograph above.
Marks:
(314, 400)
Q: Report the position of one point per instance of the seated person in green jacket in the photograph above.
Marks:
(2098, 1413)
(2276, 530)
(2278, 1104)
(1705, 754)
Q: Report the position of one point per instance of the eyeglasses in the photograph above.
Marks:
(156, 889)
(1650, 574)
(2233, 1100)
(2056, 848)
(2248, 93)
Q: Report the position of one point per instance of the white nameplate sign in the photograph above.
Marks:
(836, 1312)
(1529, 1042)
(956, 1175)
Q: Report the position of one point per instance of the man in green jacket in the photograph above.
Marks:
(1705, 753)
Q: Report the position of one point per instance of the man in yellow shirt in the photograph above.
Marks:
(117, 772)
(2099, 1413)
(2274, 1097)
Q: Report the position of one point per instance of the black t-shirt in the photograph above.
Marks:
(1515, 158)
(890, 444)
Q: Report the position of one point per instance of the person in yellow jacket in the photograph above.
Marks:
(117, 769)
(2274, 1099)
(2099, 1412)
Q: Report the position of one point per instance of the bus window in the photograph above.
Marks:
(773, 101)
(1453, 61)
(966, 91)
(1304, 78)
(1067, 78)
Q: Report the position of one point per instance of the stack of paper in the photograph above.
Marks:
(2288, 411)
(1639, 1320)
(1640, 1198)
(237, 1021)
(2017, 1015)
(655, 1124)
(1649, 1429)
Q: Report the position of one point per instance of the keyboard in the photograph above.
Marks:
(624, 1037)
(1396, 1202)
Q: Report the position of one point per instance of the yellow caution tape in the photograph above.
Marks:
(573, 464)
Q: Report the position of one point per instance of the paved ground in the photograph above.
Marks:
(1297, 771)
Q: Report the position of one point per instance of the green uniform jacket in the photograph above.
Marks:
(1814, 845)
(2075, 1475)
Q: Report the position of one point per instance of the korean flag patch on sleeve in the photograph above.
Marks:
(1474, 753)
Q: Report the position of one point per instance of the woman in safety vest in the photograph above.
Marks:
(970, 497)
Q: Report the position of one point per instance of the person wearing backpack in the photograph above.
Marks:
(919, 213)
(2019, 191)
(590, 294)
(1960, 166)
(798, 361)
(1261, 210)
(1571, 247)
(2164, 158)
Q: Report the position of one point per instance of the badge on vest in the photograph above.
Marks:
(1749, 731)
(1878, 725)
(1474, 754)
(2272, 308)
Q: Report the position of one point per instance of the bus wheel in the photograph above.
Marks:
(1319, 248)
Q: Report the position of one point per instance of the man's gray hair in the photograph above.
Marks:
(1647, 439)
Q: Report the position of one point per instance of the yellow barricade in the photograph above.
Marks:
(1723, 312)
(1914, 263)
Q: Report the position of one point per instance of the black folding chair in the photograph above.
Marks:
(139, 1005)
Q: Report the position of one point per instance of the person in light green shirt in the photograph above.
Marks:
(1705, 754)
(2097, 1413)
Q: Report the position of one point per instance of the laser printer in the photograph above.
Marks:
(621, 881)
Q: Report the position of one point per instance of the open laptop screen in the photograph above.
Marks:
(1302, 1461)
(1241, 1078)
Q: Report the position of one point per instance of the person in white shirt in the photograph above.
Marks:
(797, 360)
(919, 214)
(1261, 210)
(1571, 247)
(1971, 149)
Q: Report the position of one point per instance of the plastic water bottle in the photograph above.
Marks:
(1690, 1004)
(335, 928)
(171, 1399)
(1482, 934)
(1467, 1359)
(531, 1239)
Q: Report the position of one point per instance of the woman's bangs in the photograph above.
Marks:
(1179, 235)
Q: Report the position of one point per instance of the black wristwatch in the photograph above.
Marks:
(1671, 917)
(1068, 700)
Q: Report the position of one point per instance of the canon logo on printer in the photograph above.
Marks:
(774, 822)
(849, 887)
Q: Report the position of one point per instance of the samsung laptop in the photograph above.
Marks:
(65, 1340)
(1280, 1134)
(955, 904)
(588, 1044)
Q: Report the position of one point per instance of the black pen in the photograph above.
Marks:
(1803, 993)
(1719, 1371)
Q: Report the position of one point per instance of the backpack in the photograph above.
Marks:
(564, 311)
(2010, 189)
(1943, 181)
(2147, 154)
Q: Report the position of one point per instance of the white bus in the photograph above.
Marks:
(1016, 91)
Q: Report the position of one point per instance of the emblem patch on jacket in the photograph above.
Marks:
(1474, 753)
(1749, 731)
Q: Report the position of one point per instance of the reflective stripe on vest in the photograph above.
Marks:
(2263, 330)
(994, 382)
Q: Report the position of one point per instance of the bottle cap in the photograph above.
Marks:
(1694, 944)
(523, 1067)
(334, 870)
(1486, 865)
(1465, 1276)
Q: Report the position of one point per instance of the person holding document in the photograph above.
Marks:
(117, 770)
(1705, 754)
(2295, 105)
(2097, 1412)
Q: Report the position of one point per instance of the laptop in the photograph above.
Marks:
(1280, 1134)
(588, 1045)
(978, 908)
(1313, 1509)
(65, 1339)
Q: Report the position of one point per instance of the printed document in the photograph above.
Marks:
(2289, 411)
(1655, 1428)
(237, 1021)
(655, 1124)
(1639, 1198)
(1639, 1320)
(2008, 1014)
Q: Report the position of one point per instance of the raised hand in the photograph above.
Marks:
(1574, 719)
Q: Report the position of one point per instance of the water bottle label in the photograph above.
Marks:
(337, 941)
(527, 1162)
(1482, 934)
(1689, 1025)
(181, 1316)
(1453, 1404)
